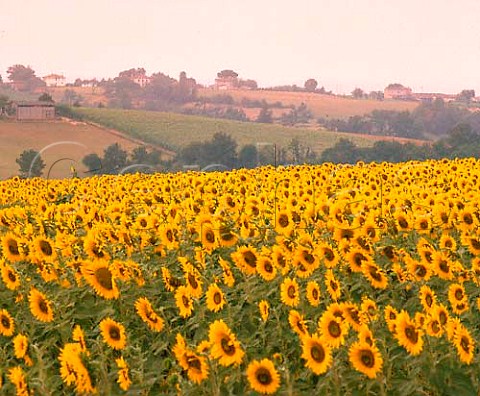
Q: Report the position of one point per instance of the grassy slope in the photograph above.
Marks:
(18, 136)
(177, 131)
(320, 105)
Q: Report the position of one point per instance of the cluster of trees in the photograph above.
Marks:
(162, 92)
(24, 79)
(429, 119)
(462, 141)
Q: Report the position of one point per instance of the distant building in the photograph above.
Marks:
(397, 91)
(34, 111)
(431, 97)
(55, 80)
(226, 79)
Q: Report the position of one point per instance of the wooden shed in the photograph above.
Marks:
(35, 111)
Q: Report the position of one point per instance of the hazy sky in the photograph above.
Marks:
(429, 45)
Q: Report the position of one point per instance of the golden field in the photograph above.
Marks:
(302, 280)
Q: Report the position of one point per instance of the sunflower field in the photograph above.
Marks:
(331, 279)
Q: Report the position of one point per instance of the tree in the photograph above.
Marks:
(93, 163)
(248, 156)
(344, 151)
(114, 159)
(24, 78)
(45, 97)
(221, 150)
(466, 95)
(265, 116)
(31, 163)
(358, 93)
(311, 85)
(4, 105)
(227, 73)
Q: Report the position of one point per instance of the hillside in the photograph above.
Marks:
(176, 130)
(60, 139)
(327, 106)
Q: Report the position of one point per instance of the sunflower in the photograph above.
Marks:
(375, 275)
(472, 243)
(465, 345)
(7, 324)
(408, 334)
(332, 329)
(20, 345)
(98, 275)
(427, 298)
(263, 377)
(10, 277)
(297, 322)
(224, 344)
(368, 309)
(317, 354)
(193, 280)
(365, 358)
(17, 378)
(11, 247)
(171, 283)
(194, 364)
(289, 292)
(184, 301)
(266, 269)
(72, 369)
(148, 315)
(264, 307)
(419, 270)
(329, 256)
(333, 285)
(433, 327)
(228, 277)
(79, 336)
(353, 315)
(245, 257)
(447, 242)
(93, 246)
(365, 335)
(123, 379)
(44, 249)
(390, 315)
(113, 333)
(208, 237)
(40, 307)
(355, 257)
(215, 298)
(280, 257)
(441, 311)
(457, 298)
(313, 293)
(442, 265)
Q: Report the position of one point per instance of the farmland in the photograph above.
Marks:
(19, 136)
(327, 106)
(350, 280)
(177, 130)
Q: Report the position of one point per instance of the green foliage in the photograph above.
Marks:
(311, 85)
(248, 156)
(24, 78)
(45, 97)
(31, 164)
(265, 116)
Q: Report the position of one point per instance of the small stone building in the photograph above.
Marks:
(35, 111)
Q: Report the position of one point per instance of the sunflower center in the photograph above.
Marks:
(283, 220)
(374, 273)
(5, 322)
(114, 333)
(308, 258)
(465, 344)
(442, 317)
(169, 235)
(268, 267)
(429, 300)
(421, 271)
(217, 298)
(334, 329)
(227, 346)
(11, 276)
(193, 281)
(46, 248)
(210, 236)
(333, 285)
(435, 327)
(358, 258)
(411, 334)
(291, 291)
(467, 218)
(13, 247)
(367, 358)
(475, 243)
(194, 362)
(264, 376)
(250, 259)
(315, 294)
(403, 223)
(42, 305)
(185, 301)
(444, 266)
(328, 253)
(458, 294)
(317, 353)
(104, 277)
